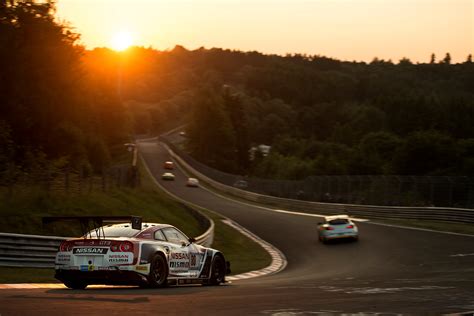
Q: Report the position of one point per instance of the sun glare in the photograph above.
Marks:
(121, 41)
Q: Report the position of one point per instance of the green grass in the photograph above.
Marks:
(22, 213)
(243, 253)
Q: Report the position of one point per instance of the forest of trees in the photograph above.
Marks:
(66, 105)
(55, 111)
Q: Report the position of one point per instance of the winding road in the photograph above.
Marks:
(389, 271)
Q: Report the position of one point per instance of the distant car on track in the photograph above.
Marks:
(241, 184)
(337, 226)
(167, 176)
(169, 165)
(154, 255)
(192, 182)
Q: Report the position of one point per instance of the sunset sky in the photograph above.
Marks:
(343, 29)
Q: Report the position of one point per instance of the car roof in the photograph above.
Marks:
(332, 217)
(144, 225)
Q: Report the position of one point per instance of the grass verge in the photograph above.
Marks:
(243, 253)
(154, 205)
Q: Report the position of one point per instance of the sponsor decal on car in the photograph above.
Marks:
(179, 256)
(90, 250)
(85, 268)
(143, 268)
(179, 264)
(120, 258)
(179, 261)
(63, 258)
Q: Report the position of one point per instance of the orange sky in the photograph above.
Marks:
(344, 29)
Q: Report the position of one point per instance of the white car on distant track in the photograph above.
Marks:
(192, 182)
(167, 176)
(337, 226)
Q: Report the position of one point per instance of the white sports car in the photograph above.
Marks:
(152, 255)
(337, 226)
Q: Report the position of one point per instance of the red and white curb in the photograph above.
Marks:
(278, 258)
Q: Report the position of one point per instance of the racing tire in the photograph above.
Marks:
(158, 276)
(218, 269)
(75, 284)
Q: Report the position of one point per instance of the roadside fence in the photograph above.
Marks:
(35, 251)
(396, 190)
(69, 180)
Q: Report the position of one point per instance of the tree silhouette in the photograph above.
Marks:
(447, 59)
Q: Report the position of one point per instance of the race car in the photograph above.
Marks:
(167, 176)
(168, 165)
(148, 255)
(192, 182)
(337, 226)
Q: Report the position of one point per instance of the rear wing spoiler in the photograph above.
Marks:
(89, 223)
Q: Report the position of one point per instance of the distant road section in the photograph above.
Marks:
(390, 270)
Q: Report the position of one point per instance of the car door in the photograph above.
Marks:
(180, 254)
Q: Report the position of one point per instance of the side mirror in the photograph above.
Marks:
(192, 240)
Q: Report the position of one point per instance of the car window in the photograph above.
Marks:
(115, 231)
(159, 235)
(339, 221)
(173, 235)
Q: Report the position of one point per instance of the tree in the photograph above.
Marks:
(426, 152)
(211, 138)
(447, 59)
(469, 59)
(405, 61)
(235, 109)
(433, 58)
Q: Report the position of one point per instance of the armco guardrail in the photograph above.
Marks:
(33, 251)
(370, 211)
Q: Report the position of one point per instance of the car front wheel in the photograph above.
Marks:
(218, 269)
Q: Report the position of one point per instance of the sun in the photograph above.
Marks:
(122, 40)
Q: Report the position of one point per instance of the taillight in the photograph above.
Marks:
(329, 228)
(126, 247)
(66, 246)
(121, 246)
(350, 226)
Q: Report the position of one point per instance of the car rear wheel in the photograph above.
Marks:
(75, 284)
(218, 269)
(158, 276)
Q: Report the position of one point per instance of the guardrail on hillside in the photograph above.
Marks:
(388, 190)
(34, 251)
(388, 212)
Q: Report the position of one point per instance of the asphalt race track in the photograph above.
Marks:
(389, 271)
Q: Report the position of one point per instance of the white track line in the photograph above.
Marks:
(278, 258)
(320, 215)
